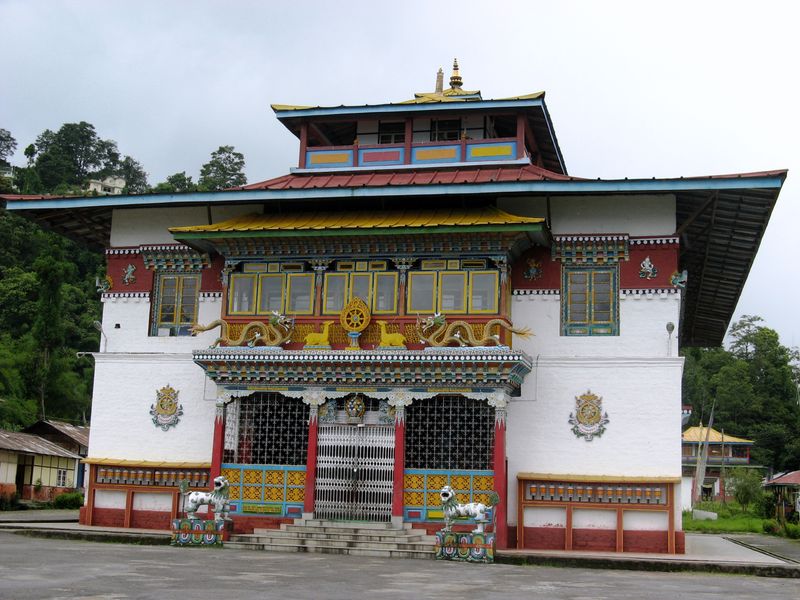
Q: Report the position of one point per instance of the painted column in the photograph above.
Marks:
(499, 402)
(314, 399)
(303, 145)
(399, 400)
(219, 440)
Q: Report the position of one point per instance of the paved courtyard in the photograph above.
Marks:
(54, 569)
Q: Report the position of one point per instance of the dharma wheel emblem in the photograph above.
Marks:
(166, 412)
(354, 318)
(588, 420)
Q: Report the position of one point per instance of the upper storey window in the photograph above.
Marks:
(391, 132)
(453, 292)
(443, 130)
(175, 309)
(264, 293)
(589, 301)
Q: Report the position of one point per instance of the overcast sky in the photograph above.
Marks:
(635, 89)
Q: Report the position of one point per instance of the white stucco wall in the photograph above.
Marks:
(110, 499)
(126, 323)
(642, 327)
(152, 501)
(642, 397)
(125, 387)
(135, 226)
(641, 215)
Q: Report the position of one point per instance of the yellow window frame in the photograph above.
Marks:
(178, 306)
(495, 306)
(410, 293)
(463, 276)
(232, 293)
(328, 277)
(353, 277)
(387, 274)
(282, 279)
(291, 277)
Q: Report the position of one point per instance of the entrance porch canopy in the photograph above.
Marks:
(415, 374)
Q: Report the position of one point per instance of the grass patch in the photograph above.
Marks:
(737, 524)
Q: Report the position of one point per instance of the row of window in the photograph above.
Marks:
(589, 303)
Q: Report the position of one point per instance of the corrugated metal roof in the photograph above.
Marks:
(78, 433)
(698, 434)
(791, 478)
(392, 219)
(28, 443)
(448, 95)
(443, 176)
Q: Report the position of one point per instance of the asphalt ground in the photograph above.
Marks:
(33, 568)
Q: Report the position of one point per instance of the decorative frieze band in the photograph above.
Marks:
(648, 292)
(654, 241)
(173, 257)
(528, 292)
(113, 296)
(122, 251)
(590, 249)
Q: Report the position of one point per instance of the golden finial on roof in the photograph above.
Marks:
(455, 78)
(439, 82)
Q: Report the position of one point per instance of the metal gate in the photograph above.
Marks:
(355, 472)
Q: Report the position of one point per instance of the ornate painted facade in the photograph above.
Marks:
(424, 300)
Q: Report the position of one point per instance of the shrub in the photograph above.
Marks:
(68, 500)
(771, 526)
(9, 501)
(792, 531)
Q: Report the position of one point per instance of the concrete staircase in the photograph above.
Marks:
(340, 537)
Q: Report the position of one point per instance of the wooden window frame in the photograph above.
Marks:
(410, 292)
(496, 306)
(232, 293)
(464, 295)
(328, 276)
(375, 277)
(290, 277)
(282, 279)
(176, 324)
(590, 327)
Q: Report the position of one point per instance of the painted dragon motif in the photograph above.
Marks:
(460, 332)
(275, 332)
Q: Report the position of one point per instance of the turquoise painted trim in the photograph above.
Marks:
(288, 508)
(362, 152)
(519, 187)
(322, 111)
(472, 146)
(425, 490)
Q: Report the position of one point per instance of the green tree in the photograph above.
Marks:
(134, 175)
(745, 485)
(224, 170)
(179, 182)
(7, 144)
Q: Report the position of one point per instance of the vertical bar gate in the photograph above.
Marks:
(355, 472)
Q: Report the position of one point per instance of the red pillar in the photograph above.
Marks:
(219, 441)
(500, 483)
(311, 462)
(399, 463)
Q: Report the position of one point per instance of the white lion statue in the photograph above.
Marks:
(473, 510)
(216, 499)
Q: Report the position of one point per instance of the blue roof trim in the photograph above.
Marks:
(323, 111)
(244, 196)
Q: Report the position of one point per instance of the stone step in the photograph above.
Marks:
(335, 543)
(344, 535)
(327, 549)
(347, 524)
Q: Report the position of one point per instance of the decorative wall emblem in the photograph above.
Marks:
(679, 279)
(128, 276)
(104, 285)
(166, 412)
(588, 420)
(327, 412)
(534, 270)
(647, 270)
(355, 407)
